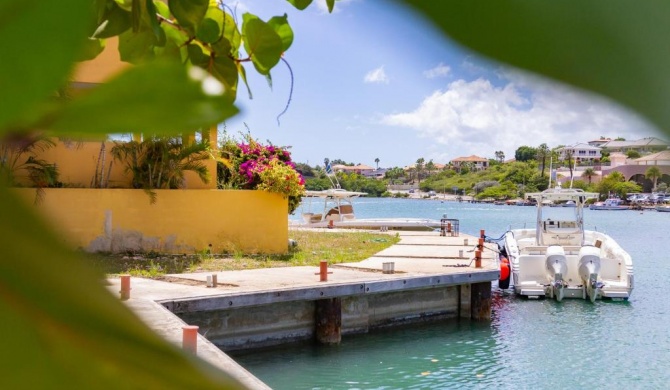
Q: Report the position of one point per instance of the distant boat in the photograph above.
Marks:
(609, 204)
(338, 212)
(664, 208)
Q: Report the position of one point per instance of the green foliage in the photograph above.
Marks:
(633, 154)
(525, 153)
(356, 182)
(251, 165)
(161, 162)
(615, 184)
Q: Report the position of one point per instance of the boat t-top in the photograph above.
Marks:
(560, 259)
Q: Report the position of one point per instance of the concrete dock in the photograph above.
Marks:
(434, 277)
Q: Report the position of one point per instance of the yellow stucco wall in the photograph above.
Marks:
(181, 221)
(77, 160)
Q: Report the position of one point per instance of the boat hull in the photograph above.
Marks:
(531, 276)
(395, 224)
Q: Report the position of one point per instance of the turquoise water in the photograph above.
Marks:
(528, 344)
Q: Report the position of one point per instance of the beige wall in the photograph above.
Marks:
(107, 64)
(181, 221)
(77, 161)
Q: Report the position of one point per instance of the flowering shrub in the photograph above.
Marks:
(252, 165)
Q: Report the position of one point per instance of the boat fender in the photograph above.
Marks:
(503, 281)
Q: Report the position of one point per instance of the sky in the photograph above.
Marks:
(374, 80)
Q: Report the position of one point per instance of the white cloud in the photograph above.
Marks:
(478, 117)
(440, 70)
(376, 76)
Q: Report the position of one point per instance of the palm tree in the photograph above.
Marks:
(419, 168)
(20, 154)
(430, 167)
(161, 162)
(500, 156)
(653, 174)
(589, 173)
(542, 153)
(616, 176)
(377, 162)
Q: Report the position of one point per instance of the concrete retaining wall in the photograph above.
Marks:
(283, 322)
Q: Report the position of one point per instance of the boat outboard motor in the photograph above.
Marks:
(589, 268)
(557, 267)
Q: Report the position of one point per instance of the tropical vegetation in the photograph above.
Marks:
(250, 165)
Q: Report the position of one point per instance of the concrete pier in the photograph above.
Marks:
(434, 277)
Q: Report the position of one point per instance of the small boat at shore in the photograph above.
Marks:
(338, 212)
(609, 204)
(560, 259)
(663, 208)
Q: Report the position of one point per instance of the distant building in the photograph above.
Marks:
(378, 173)
(479, 163)
(580, 152)
(642, 146)
(360, 169)
(599, 142)
(660, 158)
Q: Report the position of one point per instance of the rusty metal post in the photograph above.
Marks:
(125, 287)
(480, 301)
(189, 339)
(478, 259)
(323, 271)
(328, 320)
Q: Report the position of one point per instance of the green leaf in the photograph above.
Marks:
(137, 47)
(232, 34)
(261, 43)
(225, 70)
(197, 55)
(175, 47)
(162, 9)
(300, 4)
(243, 74)
(113, 22)
(617, 48)
(151, 19)
(283, 29)
(157, 97)
(91, 49)
(28, 76)
(211, 27)
(64, 327)
(331, 5)
(189, 13)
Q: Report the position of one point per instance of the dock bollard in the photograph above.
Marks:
(388, 267)
(189, 340)
(323, 271)
(465, 242)
(212, 280)
(478, 259)
(125, 287)
(460, 253)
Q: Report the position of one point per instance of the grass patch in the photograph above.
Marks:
(312, 247)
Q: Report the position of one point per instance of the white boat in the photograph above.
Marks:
(609, 204)
(338, 212)
(663, 208)
(560, 259)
